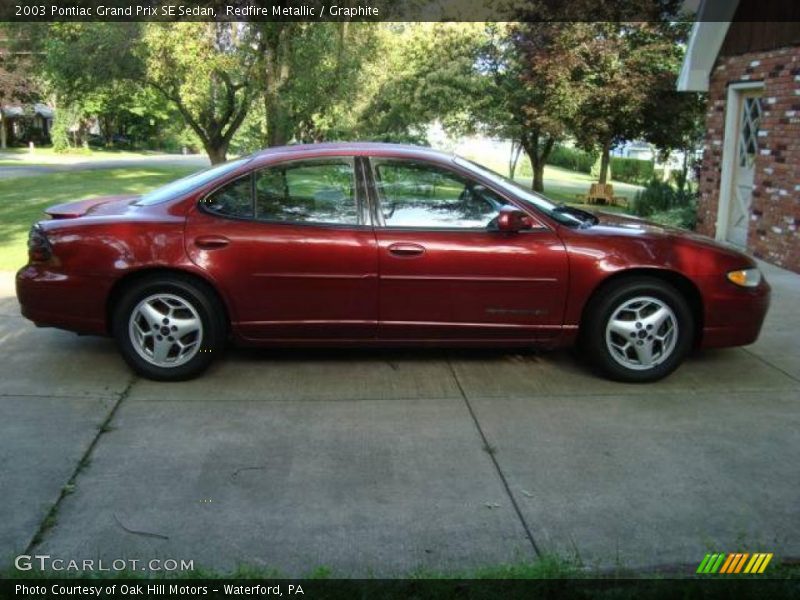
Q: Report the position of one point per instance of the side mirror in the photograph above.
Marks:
(512, 220)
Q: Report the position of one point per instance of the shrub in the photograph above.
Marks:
(663, 204)
(572, 159)
(684, 217)
(632, 170)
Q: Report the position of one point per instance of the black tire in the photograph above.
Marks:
(612, 298)
(194, 294)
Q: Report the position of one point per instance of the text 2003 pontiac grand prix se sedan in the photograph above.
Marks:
(373, 244)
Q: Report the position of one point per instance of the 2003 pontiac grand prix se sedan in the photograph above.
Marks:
(373, 244)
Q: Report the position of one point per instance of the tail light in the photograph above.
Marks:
(39, 248)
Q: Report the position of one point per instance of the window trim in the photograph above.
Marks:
(359, 196)
(380, 223)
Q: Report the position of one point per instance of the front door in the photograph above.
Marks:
(293, 247)
(741, 196)
(446, 272)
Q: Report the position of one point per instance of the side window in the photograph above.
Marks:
(319, 191)
(420, 195)
(234, 199)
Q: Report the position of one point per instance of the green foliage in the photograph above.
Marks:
(684, 217)
(207, 71)
(59, 133)
(662, 203)
(420, 72)
(632, 170)
(630, 72)
(572, 159)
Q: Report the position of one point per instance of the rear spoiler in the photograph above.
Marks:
(73, 210)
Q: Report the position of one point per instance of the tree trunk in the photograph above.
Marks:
(277, 131)
(217, 152)
(684, 171)
(513, 159)
(538, 155)
(538, 177)
(277, 71)
(605, 161)
(3, 141)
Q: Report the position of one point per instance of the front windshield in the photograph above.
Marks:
(521, 192)
(188, 183)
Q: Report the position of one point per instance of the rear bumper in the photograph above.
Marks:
(733, 316)
(54, 299)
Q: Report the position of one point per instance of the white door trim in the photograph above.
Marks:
(733, 105)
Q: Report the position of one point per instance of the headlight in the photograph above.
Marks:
(748, 278)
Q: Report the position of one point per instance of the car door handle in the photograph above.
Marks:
(406, 250)
(210, 242)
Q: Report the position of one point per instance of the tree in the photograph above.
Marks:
(204, 70)
(421, 72)
(631, 72)
(675, 121)
(309, 75)
(17, 86)
(207, 71)
(534, 86)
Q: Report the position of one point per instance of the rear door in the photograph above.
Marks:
(293, 246)
(447, 273)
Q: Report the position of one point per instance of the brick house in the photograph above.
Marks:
(750, 172)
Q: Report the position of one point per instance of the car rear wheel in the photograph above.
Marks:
(169, 328)
(638, 329)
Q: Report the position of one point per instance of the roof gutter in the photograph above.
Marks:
(708, 33)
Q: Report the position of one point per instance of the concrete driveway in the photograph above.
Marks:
(381, 463)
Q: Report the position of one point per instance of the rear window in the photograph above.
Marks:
(191, 182)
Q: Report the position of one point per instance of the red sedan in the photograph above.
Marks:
(374, 244)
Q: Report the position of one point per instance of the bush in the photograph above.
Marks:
(684, 217)
(572, 159)
(662, 203)
(632, 170)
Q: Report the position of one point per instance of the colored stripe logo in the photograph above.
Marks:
(734, 563)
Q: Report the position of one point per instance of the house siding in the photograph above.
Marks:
(775, 211)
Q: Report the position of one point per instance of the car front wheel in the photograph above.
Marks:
(168, 329)
(638, 330)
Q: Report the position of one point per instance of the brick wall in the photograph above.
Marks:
(775, 213)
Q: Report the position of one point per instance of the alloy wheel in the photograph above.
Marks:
(642, 333)
(165, 330)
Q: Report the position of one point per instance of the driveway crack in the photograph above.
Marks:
(50, 519)
(769, 364)
(490, 450)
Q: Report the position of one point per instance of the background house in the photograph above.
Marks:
(750, 173)
(22, 118)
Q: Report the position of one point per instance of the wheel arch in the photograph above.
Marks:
(683, 284)
(132, 277)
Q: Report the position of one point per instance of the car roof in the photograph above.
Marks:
(353, 148)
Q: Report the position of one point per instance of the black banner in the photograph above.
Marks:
(421, 589)
(395, 10)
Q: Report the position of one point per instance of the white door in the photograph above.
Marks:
(744, 170)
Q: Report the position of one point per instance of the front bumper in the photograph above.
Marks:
(733, 316)
(67, 301)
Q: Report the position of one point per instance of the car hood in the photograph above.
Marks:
(630, 226)
(107, 205)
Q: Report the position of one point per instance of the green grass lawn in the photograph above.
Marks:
(14, 157)
(23, 199)
(560, 185)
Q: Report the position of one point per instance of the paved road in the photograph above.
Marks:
(167, 160)
(386, 462)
